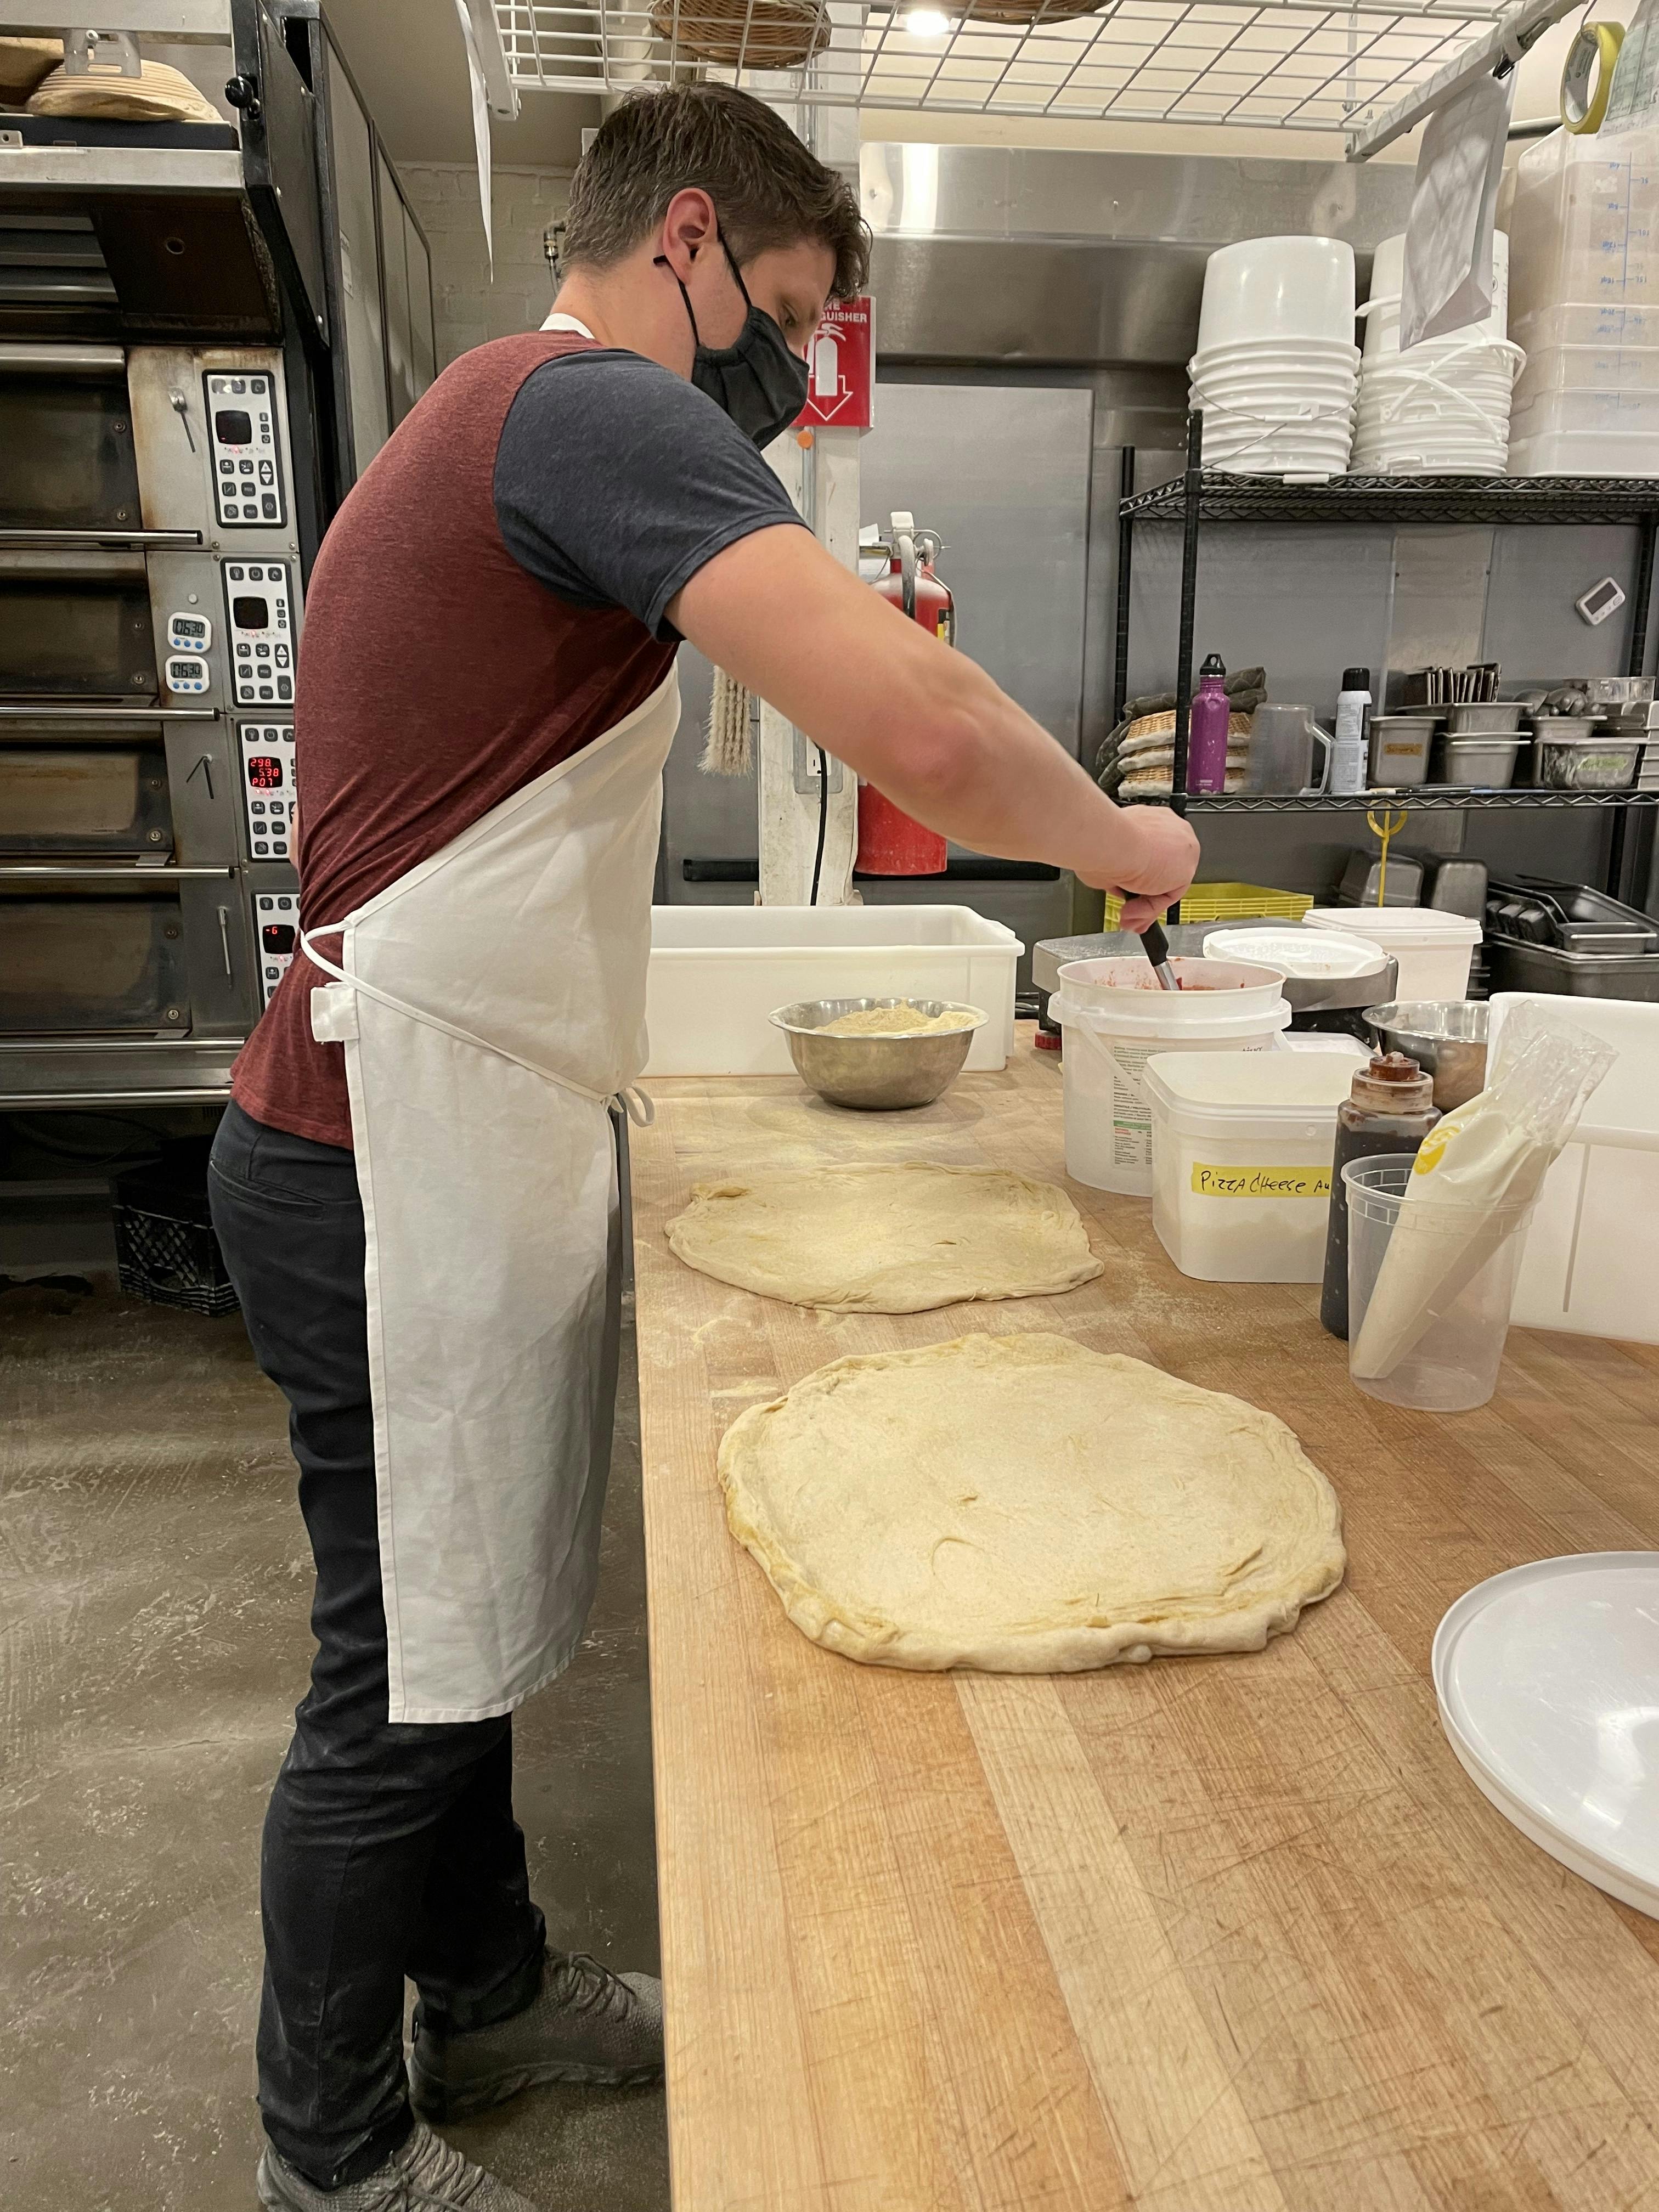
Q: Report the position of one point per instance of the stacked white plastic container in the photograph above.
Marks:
(1276, 368)
(1583, 225)
(1442, 407)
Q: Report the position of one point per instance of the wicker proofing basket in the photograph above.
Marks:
(1026, 15)
(770, 34)
(23, 64)
(157, 94)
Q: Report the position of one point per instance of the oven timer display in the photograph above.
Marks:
(187, 673)
(189, 634)
(265, 772)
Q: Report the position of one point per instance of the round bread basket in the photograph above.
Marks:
(770, 34)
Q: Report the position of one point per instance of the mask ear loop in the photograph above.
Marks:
(662, 261)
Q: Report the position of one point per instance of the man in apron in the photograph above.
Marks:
(415, 1185)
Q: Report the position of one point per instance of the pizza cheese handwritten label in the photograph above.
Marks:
(1259, 1182)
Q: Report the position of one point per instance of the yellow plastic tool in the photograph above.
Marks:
(1593, 55)
(1385, 823)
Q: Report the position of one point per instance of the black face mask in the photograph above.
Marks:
(757, 381)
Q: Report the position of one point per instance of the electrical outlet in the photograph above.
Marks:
(807, 769)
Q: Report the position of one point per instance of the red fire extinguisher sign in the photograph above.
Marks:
(841, 363)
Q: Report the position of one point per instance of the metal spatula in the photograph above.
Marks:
(1156, 946)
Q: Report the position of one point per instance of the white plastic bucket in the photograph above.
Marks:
(1381, 313)
(1278, 288)
(1116, 1018)
(1433, 950)
(1241, 1161)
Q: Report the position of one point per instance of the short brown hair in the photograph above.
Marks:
(769, 189)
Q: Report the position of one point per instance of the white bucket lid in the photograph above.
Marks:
(1298, 952)
(1545, 1679)
(1398, 928)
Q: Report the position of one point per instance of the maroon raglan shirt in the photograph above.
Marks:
(490, 599)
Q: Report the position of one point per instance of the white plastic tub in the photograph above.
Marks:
(1590, 1262)
(1434, 949)
(1116, 1018)
(1242, 1147)
(717, 972)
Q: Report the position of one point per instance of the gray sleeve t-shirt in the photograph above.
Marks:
(616, 480)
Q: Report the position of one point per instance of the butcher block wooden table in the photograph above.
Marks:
(1223, 1934)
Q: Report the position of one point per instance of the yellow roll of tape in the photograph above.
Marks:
(1593, 53)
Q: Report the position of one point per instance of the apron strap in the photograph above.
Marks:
(626, 1097)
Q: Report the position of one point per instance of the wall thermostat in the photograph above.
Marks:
(1601, 600)
(187, 671)
(189, 634)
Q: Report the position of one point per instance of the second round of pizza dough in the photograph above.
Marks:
(1024, 1505)
(886, 1239)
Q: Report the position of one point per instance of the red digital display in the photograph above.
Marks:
(264, 771)
(277, 938)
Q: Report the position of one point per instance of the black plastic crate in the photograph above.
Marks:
(165, 1247)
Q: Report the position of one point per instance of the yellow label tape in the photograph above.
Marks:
(1594, 52)
(1259, 1182)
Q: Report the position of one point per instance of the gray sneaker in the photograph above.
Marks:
(424, 2174)
(586, 2024)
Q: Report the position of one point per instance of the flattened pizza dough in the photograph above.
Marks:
(1023, 1506)
(885, 1239)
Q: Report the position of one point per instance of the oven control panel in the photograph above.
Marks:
(267, 789)
(276, 932)
(243, 451)
(259, 632)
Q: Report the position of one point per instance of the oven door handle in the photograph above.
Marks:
(75, 540)
(45, 714)
(45, 358)
(94, 872)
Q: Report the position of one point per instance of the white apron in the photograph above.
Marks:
(491, 1003)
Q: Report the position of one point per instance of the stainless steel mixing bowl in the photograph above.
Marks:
(1446, 1037)
(876, 1073)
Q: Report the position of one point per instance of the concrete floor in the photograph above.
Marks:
(154, 1588)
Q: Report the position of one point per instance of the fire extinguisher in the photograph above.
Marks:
(889, 842)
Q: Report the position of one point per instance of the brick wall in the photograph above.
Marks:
(469, 307)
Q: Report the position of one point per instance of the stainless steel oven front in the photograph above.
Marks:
(150, 612)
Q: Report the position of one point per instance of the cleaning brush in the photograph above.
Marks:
(727, 750)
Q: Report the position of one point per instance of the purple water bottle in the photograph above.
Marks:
(1207, 729)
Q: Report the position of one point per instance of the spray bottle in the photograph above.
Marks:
(1348, 766)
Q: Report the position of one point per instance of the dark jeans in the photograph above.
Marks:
(388, 1851)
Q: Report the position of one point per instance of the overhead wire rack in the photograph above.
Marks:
(1281, 63)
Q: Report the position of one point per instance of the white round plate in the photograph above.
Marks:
(1548, 1682)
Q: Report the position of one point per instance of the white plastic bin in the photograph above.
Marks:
(1434, 951)
(717, 972)
(1591, 1266)
(1116, 1018)
(1242, 1149)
